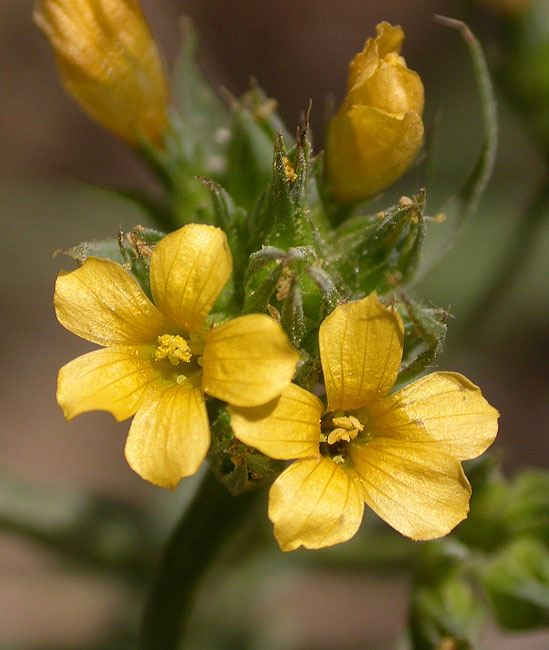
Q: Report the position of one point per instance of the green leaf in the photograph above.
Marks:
(203, 119)
(528, 505)
(196, 142)
(445, 610)
(249, 158)
(97, 532)
(446, 615)
(485, 527)
(525, 72)
(517, 581)
(466, 201)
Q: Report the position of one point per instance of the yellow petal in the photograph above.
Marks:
(189, 268)
(392, 88)
(102, 303)
(416, 488)
(112, 379)
(388, 39)
(109, 63)
(314, 503)
(286, 428)
(170, 435)
(248, 361)
(367, 149)
(447, 407)
(360, 350)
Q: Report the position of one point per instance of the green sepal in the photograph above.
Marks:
(131, 250)
(232, 219)
(292, 316)
(265, 271)
(331, 297)
(375, 251)
(517, 582)
(249, 156)
(308, 371)
(425, 332)
(239, 467)
(282, 216)
(264, 110)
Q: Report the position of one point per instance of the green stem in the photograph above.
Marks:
(195, 543)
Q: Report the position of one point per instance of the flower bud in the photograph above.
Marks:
(109, 63)
(376, 133)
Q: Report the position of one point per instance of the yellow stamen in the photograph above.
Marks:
(174, 348)
(290, 171)
(347, 427)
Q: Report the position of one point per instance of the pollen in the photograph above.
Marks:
(290, 171)
(347, 428)
(174, 348)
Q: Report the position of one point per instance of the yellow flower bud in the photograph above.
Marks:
(109, 63)
(376, 133)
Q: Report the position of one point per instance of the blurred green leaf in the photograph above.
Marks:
(98, 532)
(528, 505)
(517, 581)
(203, 119)
(465, 202)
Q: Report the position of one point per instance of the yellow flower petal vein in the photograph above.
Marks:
(400, 454)
(160, 359)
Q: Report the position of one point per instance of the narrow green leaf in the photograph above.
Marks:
(467, 200)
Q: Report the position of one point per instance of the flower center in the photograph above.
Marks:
(174, 348)
(337, 431)
(177, 350)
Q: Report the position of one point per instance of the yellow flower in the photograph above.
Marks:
(376, 133)
(109, 63)
(160, 358)
(398, 453)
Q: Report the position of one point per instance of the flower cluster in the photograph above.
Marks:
(260, 329)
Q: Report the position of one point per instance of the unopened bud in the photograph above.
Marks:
(109, 63)
(376, 133)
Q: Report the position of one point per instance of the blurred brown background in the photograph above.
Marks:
(52, 155)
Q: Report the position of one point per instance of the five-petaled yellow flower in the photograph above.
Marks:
(161, 358)
(399, 453)
(109, 63)
(376, 133)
